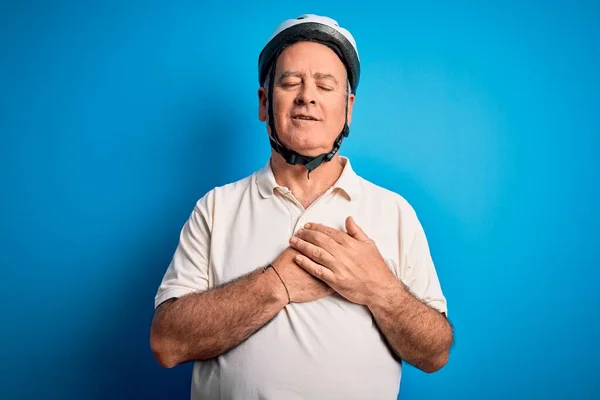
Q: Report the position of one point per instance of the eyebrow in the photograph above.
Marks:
(318, 75)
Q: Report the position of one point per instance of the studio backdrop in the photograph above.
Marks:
(117, 116)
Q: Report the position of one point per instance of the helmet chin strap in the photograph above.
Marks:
(291, 156)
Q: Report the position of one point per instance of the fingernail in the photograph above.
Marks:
(307, 226)
(298, 258)
(299, 232)
(293, 240)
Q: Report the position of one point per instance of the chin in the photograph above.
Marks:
(305, 139)
(305, 145)
(310, 151)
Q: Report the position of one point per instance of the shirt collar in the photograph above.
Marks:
(347, 182)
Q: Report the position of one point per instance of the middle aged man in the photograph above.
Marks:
(302, 280)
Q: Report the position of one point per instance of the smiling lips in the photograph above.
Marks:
(304, 117)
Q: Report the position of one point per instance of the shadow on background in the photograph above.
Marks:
(120, 343)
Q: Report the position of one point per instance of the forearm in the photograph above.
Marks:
(204, 325)
(417, 333)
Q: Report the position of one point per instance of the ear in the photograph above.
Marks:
(262, 104)
(351, 98)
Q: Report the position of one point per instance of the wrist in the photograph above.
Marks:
(389, 293)
(276, 289)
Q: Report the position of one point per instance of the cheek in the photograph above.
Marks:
(336, 115)
(280, 108)
(279, 114)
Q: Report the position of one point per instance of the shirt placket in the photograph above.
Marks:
(299, 215)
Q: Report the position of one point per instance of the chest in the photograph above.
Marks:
(258, 231)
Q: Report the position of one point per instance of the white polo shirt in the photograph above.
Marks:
(325, 349)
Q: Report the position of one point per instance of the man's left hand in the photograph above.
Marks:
(350, 263)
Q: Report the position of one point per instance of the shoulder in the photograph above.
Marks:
(392, 209)
(387, 198)
(223, 196)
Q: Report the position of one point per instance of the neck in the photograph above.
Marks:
(295, 177)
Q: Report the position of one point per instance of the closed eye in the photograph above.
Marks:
(289, 85)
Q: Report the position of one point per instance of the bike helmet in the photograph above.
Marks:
(315, 28)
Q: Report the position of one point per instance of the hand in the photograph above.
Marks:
(301, 286)
(350, 263)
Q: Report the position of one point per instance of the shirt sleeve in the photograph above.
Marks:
(188, 271)
(419, 272)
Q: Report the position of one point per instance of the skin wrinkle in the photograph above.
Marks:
(268, 79)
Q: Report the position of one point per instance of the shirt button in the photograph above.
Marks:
(301, 222)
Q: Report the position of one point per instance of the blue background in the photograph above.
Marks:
(115, 117)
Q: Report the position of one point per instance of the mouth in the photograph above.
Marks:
(304, 117)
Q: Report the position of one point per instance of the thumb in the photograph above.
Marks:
(354, 230)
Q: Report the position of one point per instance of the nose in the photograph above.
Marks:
(307, 94)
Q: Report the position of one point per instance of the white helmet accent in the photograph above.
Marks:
(317, 28)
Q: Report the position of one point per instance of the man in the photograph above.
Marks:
(303, 280)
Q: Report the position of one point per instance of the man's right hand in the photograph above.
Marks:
(302, 286)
